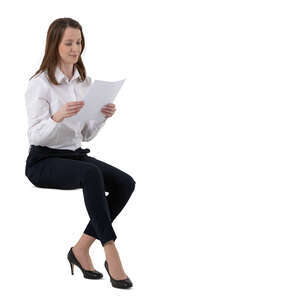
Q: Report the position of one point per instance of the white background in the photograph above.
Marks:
(207, 124)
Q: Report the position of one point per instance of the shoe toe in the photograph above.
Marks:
(128, 282)
(94, 274)
(124, 284)
(98, 274)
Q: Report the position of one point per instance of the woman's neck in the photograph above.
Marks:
(68, 70)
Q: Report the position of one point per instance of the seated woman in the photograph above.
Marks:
(56, 159)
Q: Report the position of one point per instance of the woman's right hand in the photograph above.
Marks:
(68, 110)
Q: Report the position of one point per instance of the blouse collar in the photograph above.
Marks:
(60, 76)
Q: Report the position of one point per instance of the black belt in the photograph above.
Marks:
(45, 149)
(37, 153)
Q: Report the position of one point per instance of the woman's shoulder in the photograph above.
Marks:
(39, 79)
(38, 82)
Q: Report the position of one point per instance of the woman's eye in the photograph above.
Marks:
(71, 44)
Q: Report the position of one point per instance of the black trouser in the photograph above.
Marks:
(68, 169)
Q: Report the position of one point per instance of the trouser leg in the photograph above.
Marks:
(64, 173)
(120, 186)
(97, 206)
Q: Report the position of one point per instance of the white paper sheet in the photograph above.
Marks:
(99, 94)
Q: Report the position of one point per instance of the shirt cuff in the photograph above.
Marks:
(53, 123)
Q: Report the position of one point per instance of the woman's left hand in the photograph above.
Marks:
(108, 110)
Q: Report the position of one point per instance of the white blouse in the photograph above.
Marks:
(43, 99)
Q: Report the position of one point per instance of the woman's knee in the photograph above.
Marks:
(132, 184)
(128, 183)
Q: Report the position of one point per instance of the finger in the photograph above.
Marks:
(76, 112)
(109, 109)
(109, 105)
(72, 110)
(74, 107)
(107, 112)
(74, 104)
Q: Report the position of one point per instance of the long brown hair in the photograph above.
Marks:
(51, 56)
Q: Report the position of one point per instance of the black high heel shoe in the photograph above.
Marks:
(120, 284)
(86, 273)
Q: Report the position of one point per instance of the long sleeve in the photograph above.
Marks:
(42, 130)
(91, 128)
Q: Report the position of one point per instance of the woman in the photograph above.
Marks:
(56, 159)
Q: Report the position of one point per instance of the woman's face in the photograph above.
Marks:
(70, 47)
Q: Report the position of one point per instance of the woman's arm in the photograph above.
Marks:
(90, 129)
(42, 129)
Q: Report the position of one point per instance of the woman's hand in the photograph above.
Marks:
(68, 110)
(108, 110)
(73, 107)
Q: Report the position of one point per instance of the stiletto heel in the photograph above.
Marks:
(86, 273)
(72, 268)
(120, 284)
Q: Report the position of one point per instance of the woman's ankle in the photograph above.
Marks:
(81, 249)
(110, 243)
